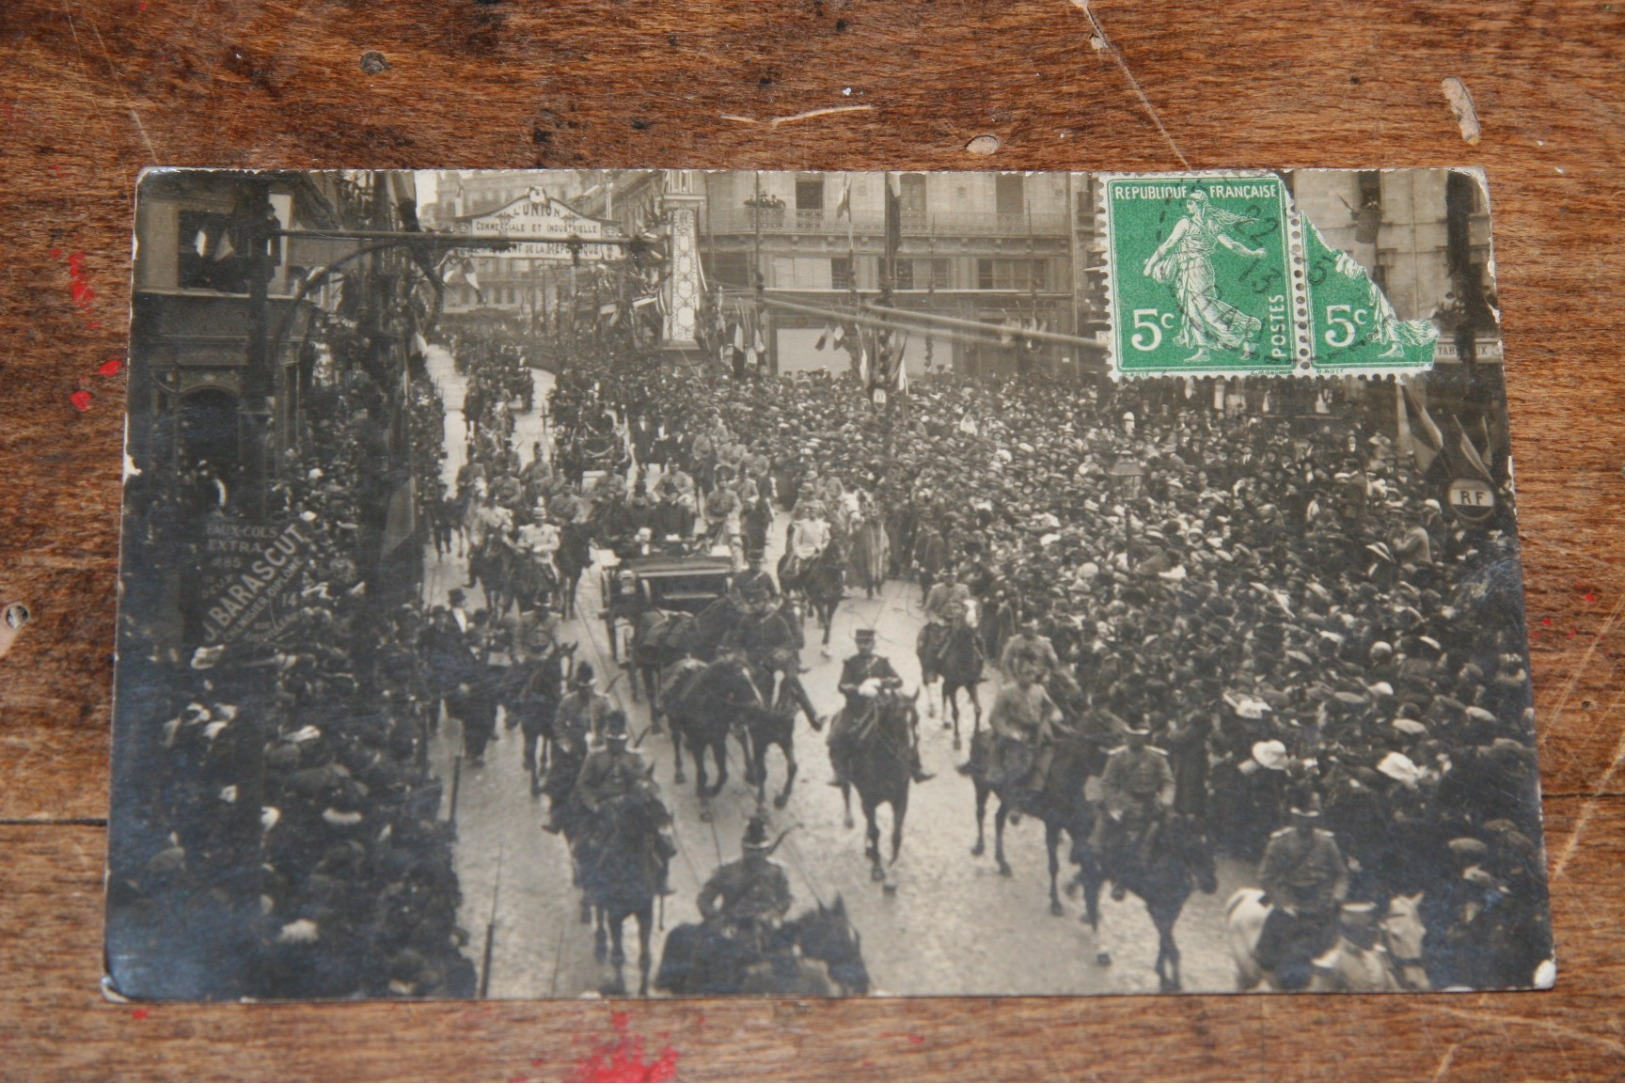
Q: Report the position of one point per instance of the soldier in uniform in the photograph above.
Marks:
(858, 683)
(610, 774)
(611, 771)
(930, 557)
(580, 720)
(532, 633)
(577, 728)
(1020, 723)
(1136, 793)
(1305, 878)
(1358, 962)
(722, 512)
(755, 582)
(945, 603)
(771, 643)
(944, 606)
(749, 897)
(810, 535)
(1027, 644)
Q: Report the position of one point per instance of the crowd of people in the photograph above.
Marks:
(1267, 595)
(1273, 592)
(280, 832)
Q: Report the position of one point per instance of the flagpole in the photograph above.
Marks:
(851, 231)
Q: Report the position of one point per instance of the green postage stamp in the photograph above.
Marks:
(1216, 273)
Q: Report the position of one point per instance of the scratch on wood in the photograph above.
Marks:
(1589, 808)
(1444, 1062)
(776, 121)
(128, 104)
(1461, 102)
(1103, 44)
(1579, 669)
(1473, 1016)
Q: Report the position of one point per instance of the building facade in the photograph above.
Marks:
(998, 249)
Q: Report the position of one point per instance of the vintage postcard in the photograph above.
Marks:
(668, 582)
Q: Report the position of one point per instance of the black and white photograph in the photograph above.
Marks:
(661, 582)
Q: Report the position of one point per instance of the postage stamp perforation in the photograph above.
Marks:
(1219, 273)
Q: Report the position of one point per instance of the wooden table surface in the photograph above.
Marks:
(94, 90)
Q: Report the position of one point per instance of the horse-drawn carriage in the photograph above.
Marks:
(688, 583)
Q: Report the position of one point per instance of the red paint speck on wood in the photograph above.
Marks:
(140, 1013)
(110, 367)
(621, 1061)
(81, 400)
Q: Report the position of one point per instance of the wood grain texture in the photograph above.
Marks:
(96, 89)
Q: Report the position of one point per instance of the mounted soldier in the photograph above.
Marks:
(748, 898)
(1026, 644)
(612, 774)
(810, 536)
(1137, 792)
(770, 642)
(755, 582)
(577, 728)
(946, 605)
(864, 677)
(1305, 878)
(1021, 722)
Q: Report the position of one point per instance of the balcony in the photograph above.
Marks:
(915, 224)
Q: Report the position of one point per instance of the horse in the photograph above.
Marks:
(558, 785)
(881, 768)
(704, 703)
(1180, 863)
(1401, 944)
(823, 583)
(713, 625)
(775, 727)
(573, 557)
(819, 953)
(531, 579)
(868, 559)
(620, 872)
(957, 659)
(490, 566)
(532, 695)
(659, 639)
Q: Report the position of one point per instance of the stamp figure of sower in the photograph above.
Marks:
(1184, 261)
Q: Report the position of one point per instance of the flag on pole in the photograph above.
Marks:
(1470, 452)
(894, 233)
(844, 207)
(823, 337)
(399, 521)
(1426, 439)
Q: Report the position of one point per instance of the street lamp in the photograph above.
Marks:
(1127, 476)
